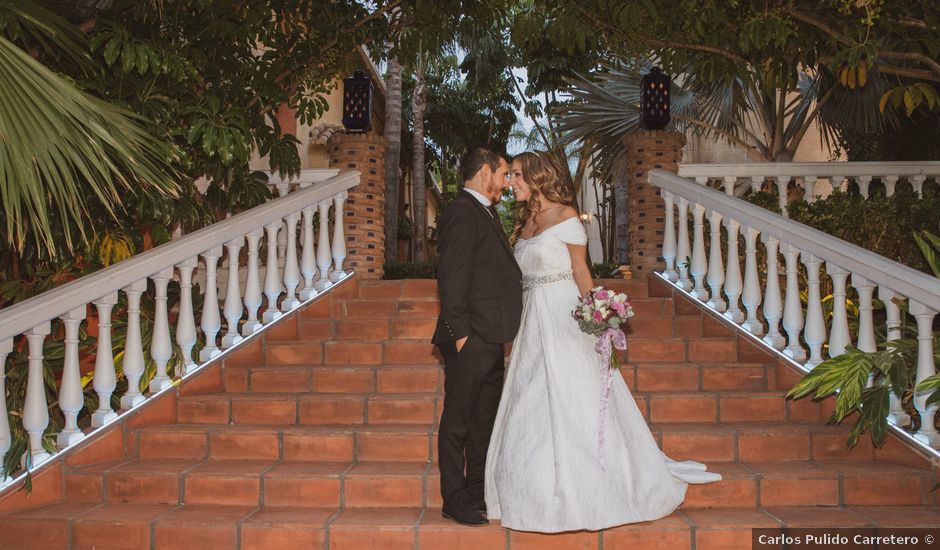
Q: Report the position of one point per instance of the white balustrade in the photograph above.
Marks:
(211, 323)
(32, 318)
(71, 398)
(133, 364)
(792, 309)
(897, 414)
(291, 269)
(752, 297)
(925, 367)
(699, 264)
(801, 244)
(233, 303)
(253, 283)
(669, 239)
(733, 283)
(773, 308)
(35, 409)
(323, 247)
(716, 273)
(105, 379)
(339, 238)
(186, 322)
(683, 251)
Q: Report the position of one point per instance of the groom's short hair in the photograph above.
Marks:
(475, 158)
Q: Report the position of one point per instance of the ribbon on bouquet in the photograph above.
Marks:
(612, 338)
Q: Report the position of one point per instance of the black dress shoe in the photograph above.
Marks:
(464, 516)
(479, 507)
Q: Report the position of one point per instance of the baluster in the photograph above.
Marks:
(866, 322)
(792, 309)
(773, 308)
(683, 252)
(283, 187)
(839, 332)
(233, 300)
(105, 378)
(210, 322)
(272, 278)
(339, 237)
(161, 350)
(917, 182)
(35, 408)
(186, 322)
(897, 414)
(253, 284)
(752, 295)
(864, 182)
(702, 180)
(716, 269)
(756, 183)
(733, 274)
(730, 181)
(837, 182)
(699, 267)
(809, 188)
(6, 439)
(133, 364)
(891, 182)
(782, 184)
(323, 247)
(291, 270)
(925, 368)
(815, 333)
(308, 261)
(669, 239)
(71, 398)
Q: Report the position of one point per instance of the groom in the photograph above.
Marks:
(480, 286)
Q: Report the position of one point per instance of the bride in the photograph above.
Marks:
(545, 468)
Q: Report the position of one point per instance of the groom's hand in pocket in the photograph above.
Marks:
(460, 343)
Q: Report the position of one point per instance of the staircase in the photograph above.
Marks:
(321, 433)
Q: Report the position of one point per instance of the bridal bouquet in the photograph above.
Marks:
(602, 312)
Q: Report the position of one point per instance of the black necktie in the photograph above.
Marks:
(493, 212)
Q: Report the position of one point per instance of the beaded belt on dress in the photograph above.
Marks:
(530, 282)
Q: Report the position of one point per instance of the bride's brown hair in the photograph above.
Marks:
(545, 177)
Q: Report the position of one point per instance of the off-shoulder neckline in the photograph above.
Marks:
(549, 228)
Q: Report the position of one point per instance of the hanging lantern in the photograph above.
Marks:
(357, 102)
(654, 100)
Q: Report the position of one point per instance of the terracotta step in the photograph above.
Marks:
(671, 377)
(333, 443)
(260, 409)
(165, 526)
(726, 406)
(333, 379)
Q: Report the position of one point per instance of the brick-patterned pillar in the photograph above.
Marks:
(365, 207)
(646, 150)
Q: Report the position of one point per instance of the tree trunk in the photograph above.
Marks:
(392, 156)
(417, 163)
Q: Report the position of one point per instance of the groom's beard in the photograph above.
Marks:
(494, 191)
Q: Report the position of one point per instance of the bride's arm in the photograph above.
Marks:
(582, 275)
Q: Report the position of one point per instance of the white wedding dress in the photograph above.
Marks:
(543, 469)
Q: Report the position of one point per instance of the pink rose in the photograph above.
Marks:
(602, 295)
(598, 317)
(617, 306)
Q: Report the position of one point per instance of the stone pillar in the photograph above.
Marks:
(646, 150)
(365, 207)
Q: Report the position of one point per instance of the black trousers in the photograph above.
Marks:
(473, 383)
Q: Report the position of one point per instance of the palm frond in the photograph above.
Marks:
(58, 145)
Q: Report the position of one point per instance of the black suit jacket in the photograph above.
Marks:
(478, 279)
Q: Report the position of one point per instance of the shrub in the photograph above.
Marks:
(410, 270)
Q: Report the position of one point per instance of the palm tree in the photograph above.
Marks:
(59, 145)
(418, 187)
(392, 155)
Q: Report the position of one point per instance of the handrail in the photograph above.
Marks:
(801, 169)
(910, 282)
(21, 317)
